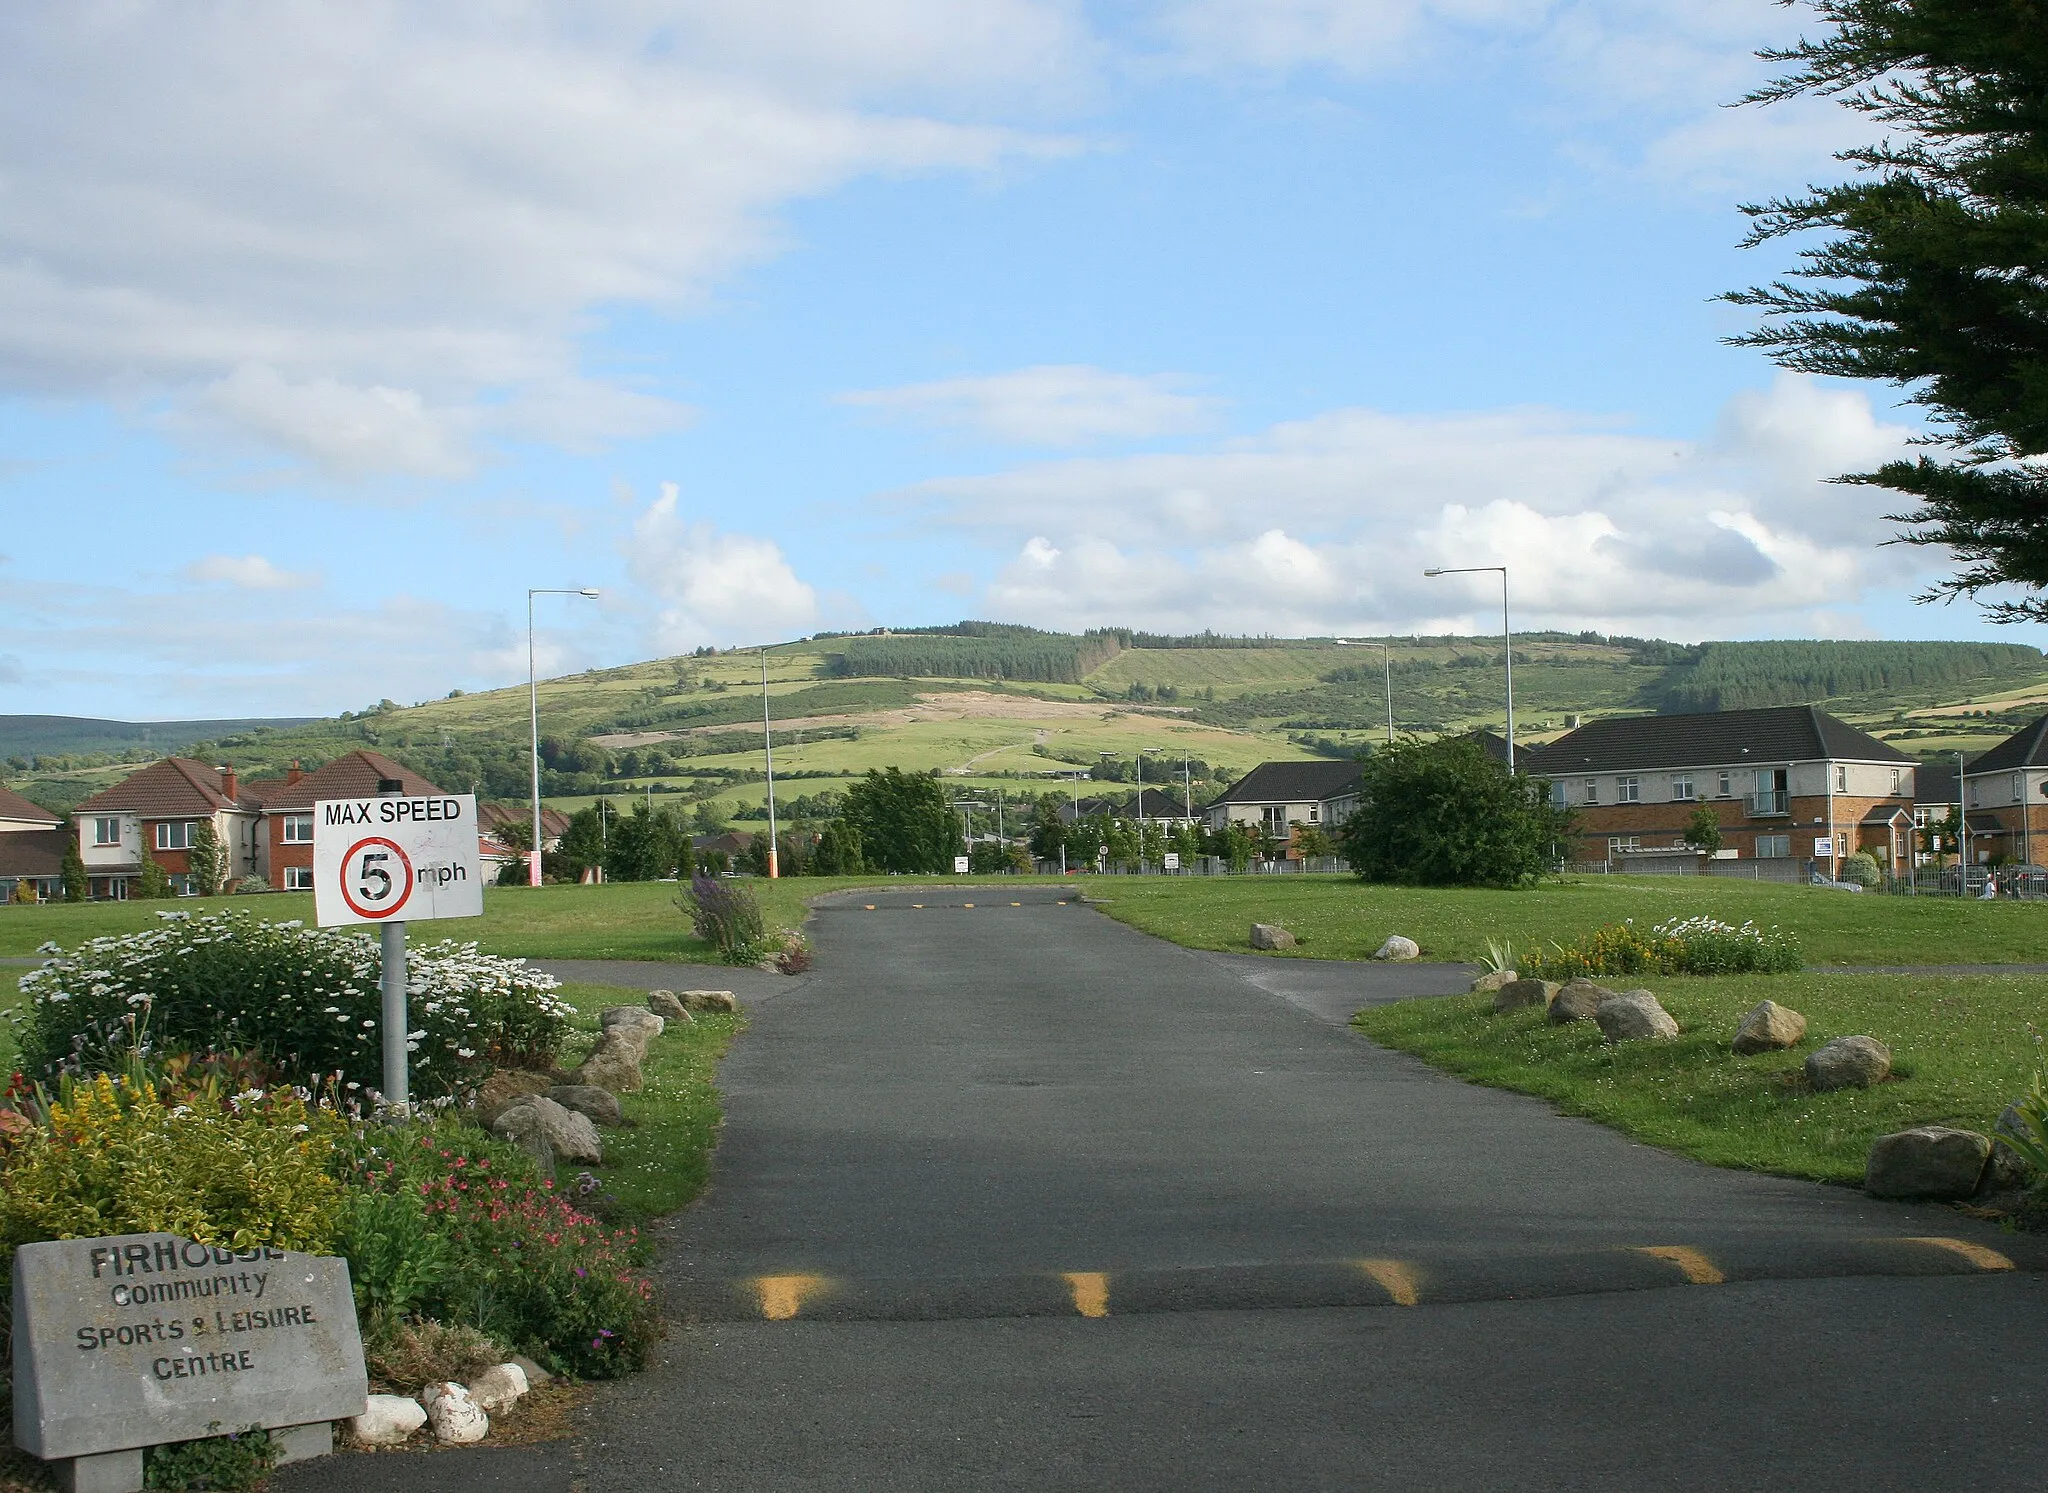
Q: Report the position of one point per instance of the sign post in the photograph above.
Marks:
(388, 861)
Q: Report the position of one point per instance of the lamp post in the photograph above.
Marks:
(1507, 635)
(1963, 818)
(768, 749)
(533, 715)
(1387, 658)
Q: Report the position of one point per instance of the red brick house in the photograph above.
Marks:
(287, 803)
(2005, 794)
(31, 848)
(1786, 781)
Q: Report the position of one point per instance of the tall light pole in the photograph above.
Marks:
(768, 748)
(533, 715)
(1963, 841)
(1507, 636)
(1387, 658)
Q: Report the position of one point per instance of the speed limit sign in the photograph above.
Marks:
(395, 860)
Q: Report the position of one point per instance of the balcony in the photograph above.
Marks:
(1765, 805)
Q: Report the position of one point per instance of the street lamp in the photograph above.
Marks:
(1387, 658)
(768, 751)
(1507, 634)
(533, 715)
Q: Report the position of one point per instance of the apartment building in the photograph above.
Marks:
(2006, 798)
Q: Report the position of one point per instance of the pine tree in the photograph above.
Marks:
(1933, 270)
(153, 882)
(76, 883)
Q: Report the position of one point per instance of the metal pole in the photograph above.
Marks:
(1139, 757)
(533, 720)
(1387, 656)
(391, 1008)
(1963, 817)
(1508, 633)
(768, 747)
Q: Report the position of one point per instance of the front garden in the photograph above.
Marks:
(214, 1076)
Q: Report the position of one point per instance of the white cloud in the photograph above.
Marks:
(406, 217)
(1325, 525)
(1359, 36)
(713, 587)
(1067, 404)
(248, 573)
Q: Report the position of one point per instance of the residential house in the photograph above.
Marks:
(2006, 790)
(1786, 781)
(286, 806)
(31, 848)
(491, 818)
(1276, 796)
(157, 811)
(1167, 808)
(1937, 793)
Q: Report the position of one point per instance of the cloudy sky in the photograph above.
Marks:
(325, 331)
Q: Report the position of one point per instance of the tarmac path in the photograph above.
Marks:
(1013, 1196)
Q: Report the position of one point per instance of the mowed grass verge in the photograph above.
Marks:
(1960, 1048)
(661, 1160)
(1341, 917)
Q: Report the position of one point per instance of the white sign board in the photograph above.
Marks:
(1173, 860)
(959, 865)
(1823, 846)
(395, 860)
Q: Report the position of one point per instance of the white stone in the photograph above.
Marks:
(388, 1420)
(499, 1388)
(1635, 1016)
(458, 1420)
(636, 1016)
(1398, 947)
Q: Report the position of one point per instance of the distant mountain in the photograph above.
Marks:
(40, 735)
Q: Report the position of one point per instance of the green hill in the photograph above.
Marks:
(1004, 710)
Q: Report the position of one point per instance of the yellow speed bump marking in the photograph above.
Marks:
(1695, 1266)
(1396, 1277)
(1091, 1291)
(1016, 904)
(1976, 1254)
(783, 1296)
(917, 904)
(966, 904)
(870, 907)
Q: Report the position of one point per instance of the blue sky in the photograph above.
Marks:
(326, 331)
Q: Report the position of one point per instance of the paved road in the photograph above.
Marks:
(1011, 1196)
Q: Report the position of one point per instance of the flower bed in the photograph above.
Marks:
(1677, 946)
(305, 999)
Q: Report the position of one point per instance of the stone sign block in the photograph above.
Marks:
(144, 1339)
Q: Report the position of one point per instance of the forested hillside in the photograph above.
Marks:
(1739, 676)
(1015, 654)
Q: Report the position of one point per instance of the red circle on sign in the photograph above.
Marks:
(402, 881)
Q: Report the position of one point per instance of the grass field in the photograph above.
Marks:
(1342, 918)
(1960, 1046)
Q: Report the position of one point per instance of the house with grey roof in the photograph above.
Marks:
(1275, 796)
(1782, 782)
(2006, 793)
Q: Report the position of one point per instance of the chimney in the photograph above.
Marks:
(294, 775)
(228, 784)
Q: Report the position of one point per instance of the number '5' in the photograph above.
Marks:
(369, 871)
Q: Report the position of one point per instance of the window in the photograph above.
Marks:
(1898, 779)
(1624, 842)
(1315, 812)
(1558, 794)
(298, 878)
(1590, 791)
(298, 829)
(106, 831)
(1628, 790)
(1681, 787)
(2019, 788)
(1841, 780)
(1275, 816)
(1770, 846)
(1725, 785)
(177, 836)
(1920, 814)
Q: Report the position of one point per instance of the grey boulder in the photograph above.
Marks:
(1929, 1161)
(1271, 936)
(614, 1063)
(1769, 1027)
(1492, 980)
(1848, 1063)
(668, 1006)
(2008, 1168)
(570, 1136)
(1516, 994)
(1398, 948)
(600, 1105)
(505, 1088)
(1635, 1016)
(710, 1000)
(638, 1017)
(1578, 1000)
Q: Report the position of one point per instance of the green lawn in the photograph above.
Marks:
(662, 1160)
(1960, 1048)
(1343, 918)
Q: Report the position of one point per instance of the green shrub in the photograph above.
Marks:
(1860, 868)
(306, 999)
(235, 1463)
(727, 916)
(112, 1156)
(1677, 946)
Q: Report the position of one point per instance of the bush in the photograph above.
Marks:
(1860, 868)
(1444, 813)
(112, 1156)
(305, 999)
(524, 1265)
(1689, 946)
(235, 1463)
(726, 916)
